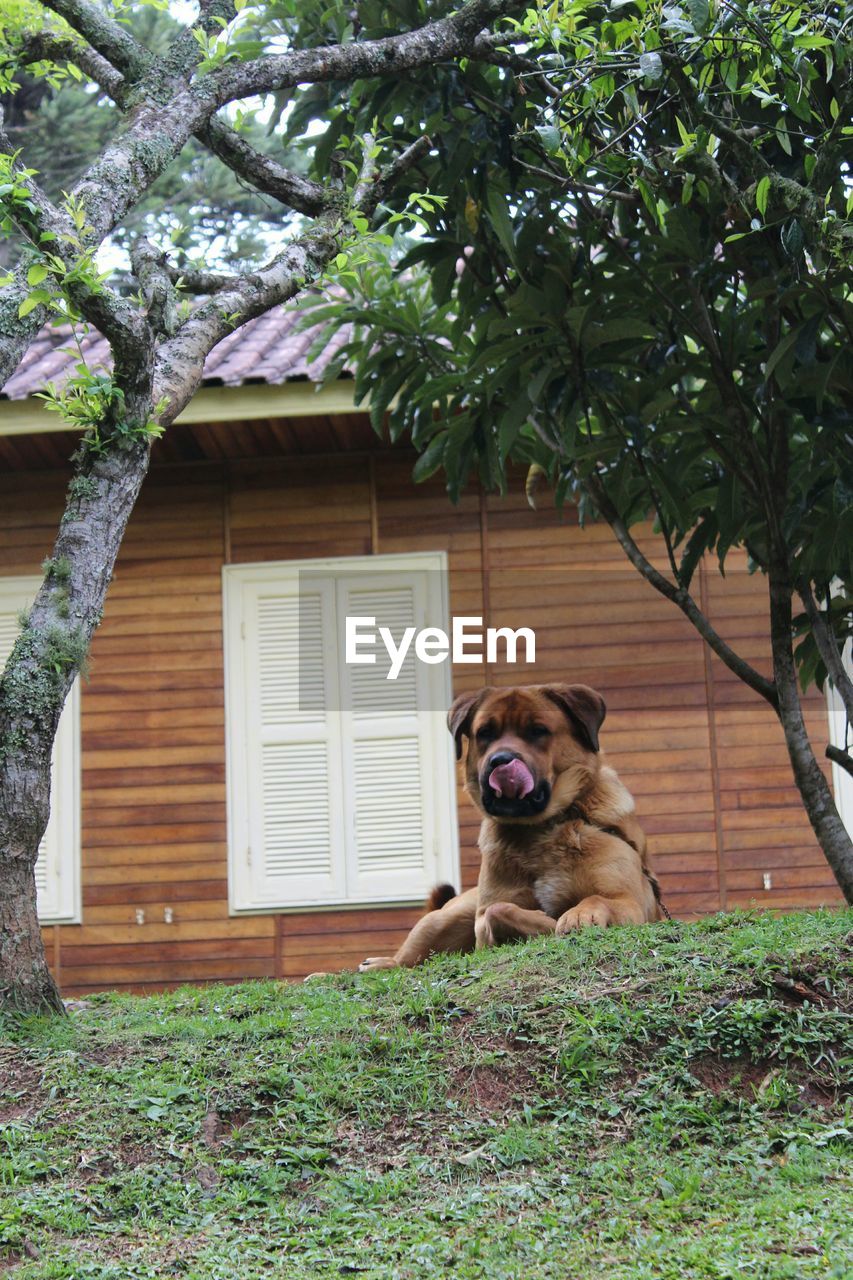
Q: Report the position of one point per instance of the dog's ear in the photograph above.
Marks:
(461, 715)
(584, 707)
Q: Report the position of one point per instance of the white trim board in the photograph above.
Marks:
(58, 866)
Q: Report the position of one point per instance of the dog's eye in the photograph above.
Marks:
(538, 731)
(486, 733)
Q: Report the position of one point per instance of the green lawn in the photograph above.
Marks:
(666, 1101)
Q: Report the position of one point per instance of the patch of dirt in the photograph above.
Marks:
(93, 1164)
(217, 1128)
(208, 1178)
(730, 1075)
(389, 1147)
(111, 1054)
(804, 986)
(161, 1259)
(745, 1079)
(814, 1095)
(489, 1088)
(21, 1092)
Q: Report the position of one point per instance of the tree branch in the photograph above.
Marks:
(108, 37)
(134, 160)
(679, 596)
(803, 202)
(181, 360)
(827, 647)
(451, 37)
(205, 282)
(37, 218)
(151, 268)
(839, 757)
(273, 179)
(47, 46)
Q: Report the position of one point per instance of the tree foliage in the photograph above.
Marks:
(640, 286)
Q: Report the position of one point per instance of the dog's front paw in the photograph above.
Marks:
(592, 911)
(377, 962)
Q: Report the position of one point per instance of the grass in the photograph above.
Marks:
(656, 1102)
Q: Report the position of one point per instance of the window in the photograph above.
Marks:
(341, 784)
(841, 735)
(58, 865)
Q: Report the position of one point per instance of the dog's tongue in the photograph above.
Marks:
(513, 780)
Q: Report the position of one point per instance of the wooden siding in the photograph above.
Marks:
(703, 756)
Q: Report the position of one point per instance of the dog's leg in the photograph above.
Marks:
(450, 929)
(596, 910)
(506, 922)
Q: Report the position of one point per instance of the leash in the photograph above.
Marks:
(656, 891)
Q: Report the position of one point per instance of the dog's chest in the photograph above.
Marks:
(553, 892)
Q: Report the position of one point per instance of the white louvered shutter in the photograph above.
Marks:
(341, 784)
(295, 842)
(57, 867)
(388, 770)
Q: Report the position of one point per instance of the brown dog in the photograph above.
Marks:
(561, 846)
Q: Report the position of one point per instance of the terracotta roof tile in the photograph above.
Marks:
(266, 350)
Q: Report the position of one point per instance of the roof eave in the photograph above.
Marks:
(209, 404)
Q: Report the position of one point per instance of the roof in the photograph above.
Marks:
(267, 351)
(259, 397)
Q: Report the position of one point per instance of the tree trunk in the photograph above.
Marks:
(44, 663)
(813, 786)
(26, 984)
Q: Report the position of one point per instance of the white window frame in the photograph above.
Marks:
(238, 695)
(62, 836)
(842, 782)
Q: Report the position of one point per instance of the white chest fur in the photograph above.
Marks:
(551, 894)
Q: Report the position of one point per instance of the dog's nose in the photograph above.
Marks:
(501, 757)
(509, 776)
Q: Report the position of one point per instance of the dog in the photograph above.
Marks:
(560, 844)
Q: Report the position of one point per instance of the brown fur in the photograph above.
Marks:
(579, 861)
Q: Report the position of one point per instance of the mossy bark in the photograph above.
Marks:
(43, 665)
(26, 984)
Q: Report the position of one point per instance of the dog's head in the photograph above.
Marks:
(531, 750)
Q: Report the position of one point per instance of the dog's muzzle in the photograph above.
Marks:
(509, 789)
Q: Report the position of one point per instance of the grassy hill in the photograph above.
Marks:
(668, 1101)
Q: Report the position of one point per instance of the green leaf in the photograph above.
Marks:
(501, 222)
(431, 458)
(684, 133)
(700, 14)
(37, 272)
(698, 543)
(793, 239)
(511, 422)
(616, 329)
(762, 191)
(36, 299)
(651, 65)
(550, 137)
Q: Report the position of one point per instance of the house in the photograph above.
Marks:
(233, 800)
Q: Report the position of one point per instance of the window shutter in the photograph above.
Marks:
(386, 743)
(57, 869)
(294, 841)
(340, 783)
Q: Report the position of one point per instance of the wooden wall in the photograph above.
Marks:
(702, 754)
